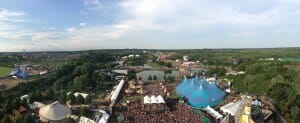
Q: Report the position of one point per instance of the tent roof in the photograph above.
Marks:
(54, 111)
(154, 99)
(147, 99)
(160, 99)
(200, 93)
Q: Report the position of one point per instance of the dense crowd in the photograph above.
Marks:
(158, 113)
(172, 111)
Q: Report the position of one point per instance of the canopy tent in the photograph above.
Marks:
(200, 93)
(147, 99)
(19, 73)
(160, 99)
(153, 99)
(54, 112)
(182, 85)
(189, 88)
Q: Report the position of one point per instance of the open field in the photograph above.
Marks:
(4, 71)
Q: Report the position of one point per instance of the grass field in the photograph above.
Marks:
(4, 71)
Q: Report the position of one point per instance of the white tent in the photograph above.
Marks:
(153, 99)
(54, 112)
(84, 95)
(160, 99)
(147, 99)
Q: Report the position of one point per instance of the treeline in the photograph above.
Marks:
(228, 57)
(6, 61)
(137, 61)
(165, 64)
(273, 79)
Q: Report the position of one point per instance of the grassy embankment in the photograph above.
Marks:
(4, 71)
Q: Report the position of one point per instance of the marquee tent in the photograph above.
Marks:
(200, 93)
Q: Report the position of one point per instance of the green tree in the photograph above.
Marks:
(18, 118)
(84, 112)
(88, 69)
(49, 93)
(120, 118)
(6, 119)
(131, 75)
(28, 119)
(77, 71)
(295, 113)
(87, 99)
(68, 120)
(277, 79)
(62, 97)
(79, 99)
(7, 107)
(80, 82)
(105, 77)
(283, 94)
(71, 98)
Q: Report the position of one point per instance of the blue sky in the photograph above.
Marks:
(48, 25)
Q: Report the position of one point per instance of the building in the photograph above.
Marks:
(115, 93)
(120, 71)
(100, 116)
(164, 57)
(44, 72)
(185, 58)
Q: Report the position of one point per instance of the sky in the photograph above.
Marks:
(68, 25)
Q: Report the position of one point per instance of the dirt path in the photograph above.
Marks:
(12, 82)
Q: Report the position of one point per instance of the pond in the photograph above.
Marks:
(159, 74)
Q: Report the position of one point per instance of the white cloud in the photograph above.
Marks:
(9, 21)
(171, 17)
(289, 1)
(52, 28)
(160, 20)
(5, 14)
(70, 29)
(94, 5)
(243, 34)
(82, 24)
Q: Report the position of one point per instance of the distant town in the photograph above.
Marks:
(151, 86)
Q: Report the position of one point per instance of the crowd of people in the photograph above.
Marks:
(172, 111)
(158, 113)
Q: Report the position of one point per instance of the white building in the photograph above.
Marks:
(44, 72)
(115, 93)
(185, 58)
